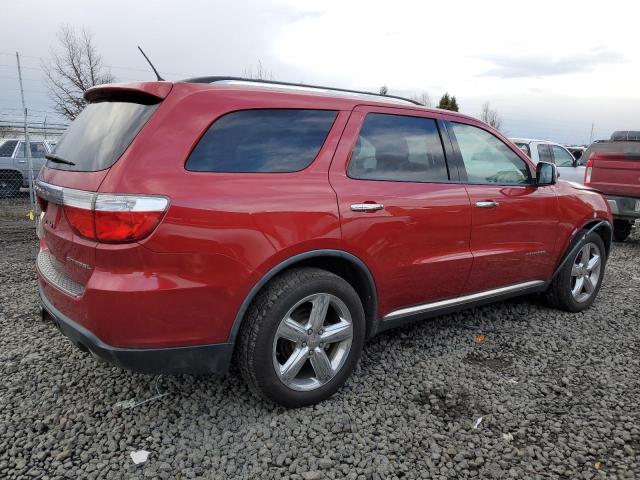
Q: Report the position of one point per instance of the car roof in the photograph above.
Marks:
(531, 140)
(351, 98)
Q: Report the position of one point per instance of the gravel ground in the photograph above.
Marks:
(557, 395)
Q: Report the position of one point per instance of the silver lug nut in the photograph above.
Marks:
(310, 331)
(310, 352)
(304, 344)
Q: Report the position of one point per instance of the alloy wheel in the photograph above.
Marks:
(312, 342)
(585, 272)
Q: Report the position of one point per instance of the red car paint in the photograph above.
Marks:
(185, 283)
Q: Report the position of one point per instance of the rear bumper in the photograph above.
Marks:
(213, 358)
(624, 207)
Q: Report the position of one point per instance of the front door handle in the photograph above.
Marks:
(487, 204)
(366, 207)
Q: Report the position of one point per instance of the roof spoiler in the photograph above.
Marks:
(142, 92)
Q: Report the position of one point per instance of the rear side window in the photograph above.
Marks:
(100, 134)
(487, 159)
(398, 148)
(7, 148)
(251, 141)
(544, 153)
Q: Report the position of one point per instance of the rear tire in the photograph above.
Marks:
(621, 230)
(576, 285)
(302, 337)
(10, 183)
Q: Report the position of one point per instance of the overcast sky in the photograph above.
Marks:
(550, 69)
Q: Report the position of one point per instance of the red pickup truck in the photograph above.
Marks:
(613, 167)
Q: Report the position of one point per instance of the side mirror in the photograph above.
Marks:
(546, 174)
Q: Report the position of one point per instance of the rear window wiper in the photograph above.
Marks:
(55, 158)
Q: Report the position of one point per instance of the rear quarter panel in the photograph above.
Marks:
(226, 229)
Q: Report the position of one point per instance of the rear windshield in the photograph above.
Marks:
(100, 135)
(249, 141)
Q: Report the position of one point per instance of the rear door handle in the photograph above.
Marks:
(487, 204)
(366, 207)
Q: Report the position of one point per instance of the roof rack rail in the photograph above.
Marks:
(289, 84)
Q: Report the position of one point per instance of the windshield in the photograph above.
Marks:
(100, 134)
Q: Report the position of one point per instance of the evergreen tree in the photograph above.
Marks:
(453, 106)
(448, 103)
(444, 102)
(383, 90)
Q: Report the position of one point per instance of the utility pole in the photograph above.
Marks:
(27, 146)
(591, 136)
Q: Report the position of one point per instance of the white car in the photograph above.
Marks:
(543, 151)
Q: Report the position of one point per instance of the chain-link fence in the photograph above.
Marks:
(20, 166)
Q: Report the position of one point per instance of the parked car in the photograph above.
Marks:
(189, 223)
(14, 167)
(569, 168)
(613, 167)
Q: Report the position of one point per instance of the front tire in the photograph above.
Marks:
(577, 284)
(621, 230)
(302, 337)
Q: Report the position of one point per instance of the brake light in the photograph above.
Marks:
(587, 172)
(112, 218)
(127, 218)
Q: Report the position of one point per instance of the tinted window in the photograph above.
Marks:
(7, 148)
(562, 157)
(487, 159)
(544, 153)
(400, 148)
(37, 150)
(262, 141)
(100, 135)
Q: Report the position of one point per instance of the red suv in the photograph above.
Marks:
(188, 224)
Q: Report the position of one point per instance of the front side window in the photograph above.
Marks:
(273, 141)
(487, 159)
(398, 148)
(544, 153)
(562, 157)
(37, 150)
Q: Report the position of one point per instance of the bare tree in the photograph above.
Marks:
(383, 90)
(74, 67)
(260, 72)
(491, 116)
(422, 98)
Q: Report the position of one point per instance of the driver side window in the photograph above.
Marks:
(562, 157)
(487, 159)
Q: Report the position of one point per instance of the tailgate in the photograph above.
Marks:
(616, 174)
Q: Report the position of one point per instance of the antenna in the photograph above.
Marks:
(160, 79)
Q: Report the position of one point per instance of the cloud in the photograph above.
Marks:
(519, 66)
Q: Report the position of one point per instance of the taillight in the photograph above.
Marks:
(127, 218)
(587, 172)
(110, 218)
(42, 203)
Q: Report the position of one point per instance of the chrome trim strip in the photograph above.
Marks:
(452, 302)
